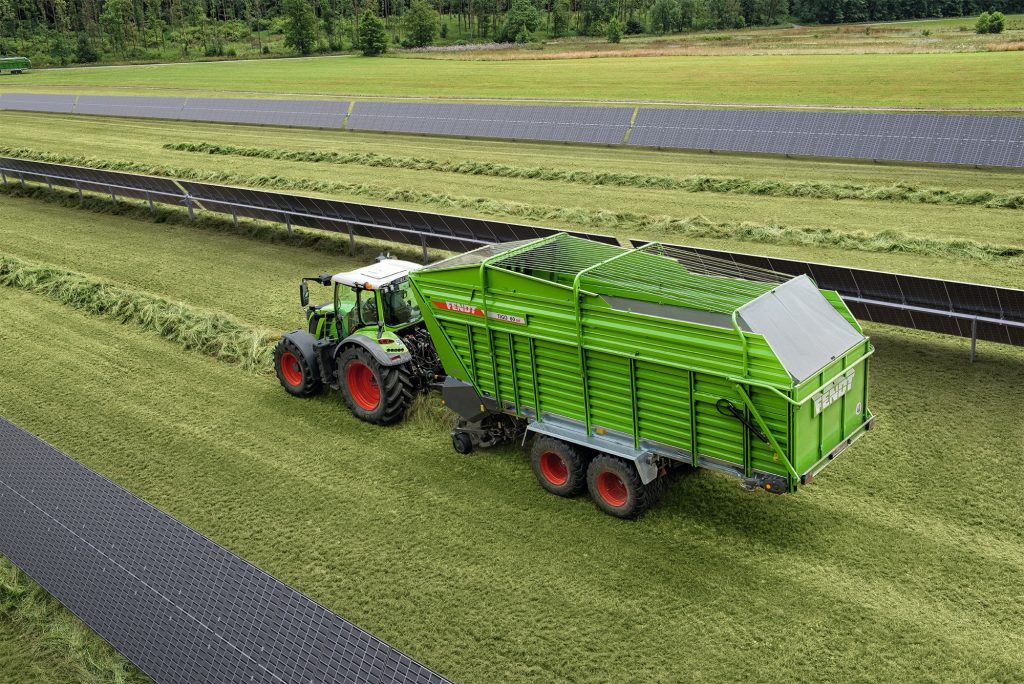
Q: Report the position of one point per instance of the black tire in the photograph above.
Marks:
(375, 393)
(462, 442)
(559, 466)
(616, 488)
(298, 375)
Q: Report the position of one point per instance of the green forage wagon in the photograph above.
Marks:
(621, 364)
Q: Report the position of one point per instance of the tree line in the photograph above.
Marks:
(84, 31)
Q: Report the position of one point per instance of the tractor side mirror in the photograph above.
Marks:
(304, 294)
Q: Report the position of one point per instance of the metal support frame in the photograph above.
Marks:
(113, 196)
(974, 338)
(191, 209)
(351, 239)
(149, 198)
(423, 244)
(287, 220)
(234, 216)
(4, 174)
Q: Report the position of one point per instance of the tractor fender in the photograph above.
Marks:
(371, 345)
(305, 342)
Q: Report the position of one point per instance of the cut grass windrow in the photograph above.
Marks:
(623, 223)
(898, 192)
(56, 636)
(213, 334)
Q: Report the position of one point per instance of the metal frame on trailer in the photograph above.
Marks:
(178, 605)
(988, 312)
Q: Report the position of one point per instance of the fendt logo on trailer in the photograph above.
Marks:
(832, 391)
(473, 311)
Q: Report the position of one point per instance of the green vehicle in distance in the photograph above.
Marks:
(15, 65)
(369, 342)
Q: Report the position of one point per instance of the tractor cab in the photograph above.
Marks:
(372, 296)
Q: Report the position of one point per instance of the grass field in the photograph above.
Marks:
(896, 562)
(902, 562)
(930, 81)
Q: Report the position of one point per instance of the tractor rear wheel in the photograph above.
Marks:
(616, 488)
(559, 466)
(375, 393)
(297, 375)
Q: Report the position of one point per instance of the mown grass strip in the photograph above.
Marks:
(668, 227)
(899, 192)
(52, 633)
(213, 334)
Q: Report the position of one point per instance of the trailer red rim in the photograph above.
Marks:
(290, 369)
(362, 385)
(612, 489)
(553, 468)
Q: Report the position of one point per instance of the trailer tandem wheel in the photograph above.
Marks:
(616, 488)
(559, 466)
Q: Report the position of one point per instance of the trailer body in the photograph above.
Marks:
(652, 356)
(15, 65)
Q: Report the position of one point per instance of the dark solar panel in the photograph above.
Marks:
(950, 139)
(180, 607)
(33, 102)
(452, 233)
(305, 113)
(141, 107)
(605, 125)
(98, 180)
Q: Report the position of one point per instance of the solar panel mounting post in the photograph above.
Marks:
(234, 216)
(423, 243)
(149, 198)
(4, 174)
(351, 240)
(191, 211)
(974, 338)
(113, 197)
(288, 223)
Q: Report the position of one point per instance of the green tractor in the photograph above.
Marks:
(369, 342)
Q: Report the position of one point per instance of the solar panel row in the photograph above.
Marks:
(179, 606)
(950, 139)
(981, 140)
(34, 102)
(605, 125)
(943, 306)
(303, 113)
(390, 224)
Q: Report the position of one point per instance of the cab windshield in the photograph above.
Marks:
(399, 306)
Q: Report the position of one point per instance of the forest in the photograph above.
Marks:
(62, 32)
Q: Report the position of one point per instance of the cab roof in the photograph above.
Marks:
(377, 275)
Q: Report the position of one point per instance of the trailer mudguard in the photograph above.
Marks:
(381, 355)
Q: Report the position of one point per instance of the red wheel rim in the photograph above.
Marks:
(553, 468)
(612, 489)
(362, 384)
(290, 369)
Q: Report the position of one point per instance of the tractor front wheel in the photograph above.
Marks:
(616, 488)
(559, 466)
(297, 375)
(375, 393)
